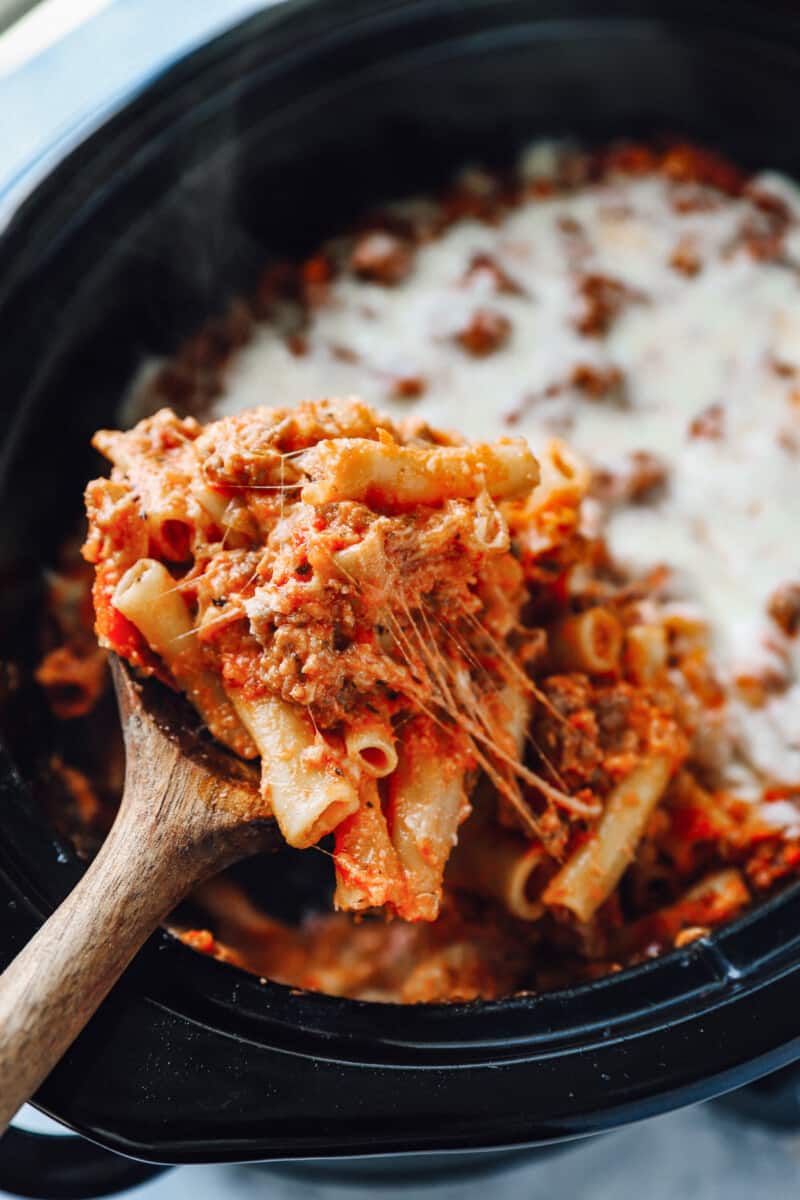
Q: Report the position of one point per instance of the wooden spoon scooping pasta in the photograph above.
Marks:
(189, 809)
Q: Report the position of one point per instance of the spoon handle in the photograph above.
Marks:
(179, 822)
(61, 976)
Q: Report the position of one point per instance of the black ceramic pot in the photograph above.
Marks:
(261, 142)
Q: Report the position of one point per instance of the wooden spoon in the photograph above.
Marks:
(188, 810)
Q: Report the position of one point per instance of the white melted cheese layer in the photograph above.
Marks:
(728, 524)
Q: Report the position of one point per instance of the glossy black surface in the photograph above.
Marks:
(260, 144)
(65, 1168)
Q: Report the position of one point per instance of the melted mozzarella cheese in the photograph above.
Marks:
(727, 524)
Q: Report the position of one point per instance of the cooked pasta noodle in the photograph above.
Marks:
(368, 873)
(646, 652)
(427, 803)
(588, 641)
(146, 594)
(371, 743)
(386, 474)
(500, 865)
(303, 777)
(593, 871)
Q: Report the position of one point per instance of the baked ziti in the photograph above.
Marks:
(535, 689)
